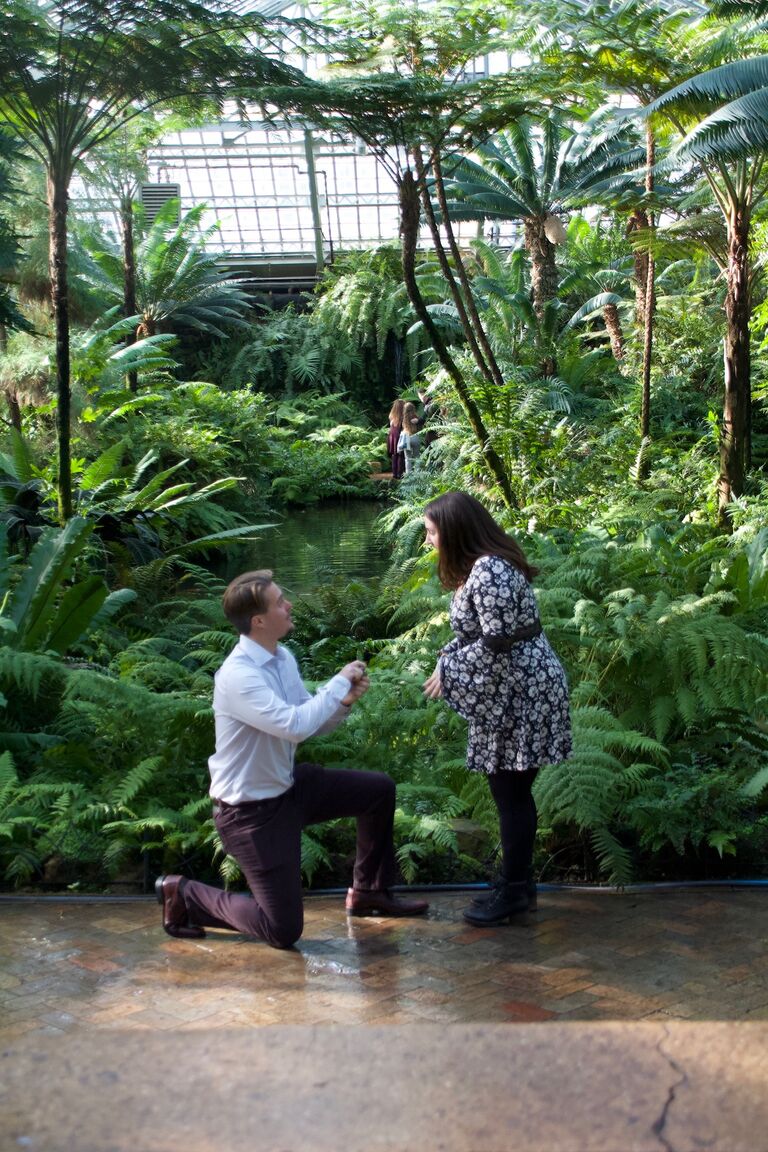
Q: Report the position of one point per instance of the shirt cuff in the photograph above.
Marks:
(339, 687)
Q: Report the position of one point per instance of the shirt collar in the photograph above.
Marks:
(257, 652)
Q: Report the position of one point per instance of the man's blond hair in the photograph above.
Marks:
(246, 597)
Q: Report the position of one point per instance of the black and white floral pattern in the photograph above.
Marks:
(516, 702)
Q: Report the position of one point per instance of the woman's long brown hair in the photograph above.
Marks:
(467, 531)
(396, 412)
(410, 418)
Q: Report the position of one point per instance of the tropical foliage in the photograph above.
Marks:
(179, 284)
(77, 71)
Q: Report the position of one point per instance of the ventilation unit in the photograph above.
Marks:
(154, 196)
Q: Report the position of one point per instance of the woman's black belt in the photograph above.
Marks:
(505, 643)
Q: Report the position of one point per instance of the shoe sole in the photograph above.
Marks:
(481, 901)
(519, 919)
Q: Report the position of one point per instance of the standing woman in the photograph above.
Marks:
(410, 437)
(395, 428)
(499, 673)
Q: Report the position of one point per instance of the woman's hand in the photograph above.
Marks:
(432, 687)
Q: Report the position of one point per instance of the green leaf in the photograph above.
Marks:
(754, 786)
(75, 614)
(722, 842)
(33, 601)
(216, 538)
(103, 468)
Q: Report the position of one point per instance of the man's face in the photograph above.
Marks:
(269, 626)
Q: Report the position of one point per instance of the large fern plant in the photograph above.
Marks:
(668, 639)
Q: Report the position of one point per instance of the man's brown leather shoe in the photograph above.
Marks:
(175, 918)
(368, 903)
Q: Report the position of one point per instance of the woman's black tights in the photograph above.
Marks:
(511, 792)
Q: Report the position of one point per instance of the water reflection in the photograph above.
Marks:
(311, 545)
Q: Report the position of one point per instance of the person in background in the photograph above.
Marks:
(395, 428)
(429, 409)
(500, 673)
(262, 799)
(410, 437)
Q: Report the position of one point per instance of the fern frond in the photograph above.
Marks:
(30, 671)
(135, 780)
(313, 854)
(615, 860)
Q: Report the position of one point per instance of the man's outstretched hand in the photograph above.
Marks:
(357, 674)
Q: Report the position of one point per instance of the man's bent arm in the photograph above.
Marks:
(250, 700)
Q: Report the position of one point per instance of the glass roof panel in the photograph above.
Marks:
(257, 181)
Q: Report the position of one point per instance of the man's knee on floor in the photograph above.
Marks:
(283, 933)
(283, 945)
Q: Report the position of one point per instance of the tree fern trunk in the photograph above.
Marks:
(476, 325)
(446, 269)
(637, 221)
(613, 327)
(645, 406)
(57, 263)
(649, 309)
(11, 395)
(645, 412)
(129, 277)
(735, 443)
(409, 230)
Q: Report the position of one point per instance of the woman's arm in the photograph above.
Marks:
(475, 676)
(501, 598)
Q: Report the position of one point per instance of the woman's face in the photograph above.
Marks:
(433, 536)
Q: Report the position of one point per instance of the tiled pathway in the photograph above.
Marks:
(699, 954)
(612, 1023)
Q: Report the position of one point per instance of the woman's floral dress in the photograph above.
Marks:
(515, 701)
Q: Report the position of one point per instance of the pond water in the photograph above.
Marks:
(309, 546)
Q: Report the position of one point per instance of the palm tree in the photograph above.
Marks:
(532, 171)
(178, 284)
(118, 169)
(411, 100)
(726, 109)
(407, 122)
(751, 8)
(75, 71)
(636, 48)
(597, 270)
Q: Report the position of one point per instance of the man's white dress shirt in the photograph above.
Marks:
(262, 712)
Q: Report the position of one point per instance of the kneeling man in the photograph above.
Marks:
(262, 799)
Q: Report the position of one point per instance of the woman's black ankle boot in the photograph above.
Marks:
(530, 891)
(506, 902)
(482, 898)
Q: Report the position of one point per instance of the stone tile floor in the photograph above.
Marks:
(686, 955)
